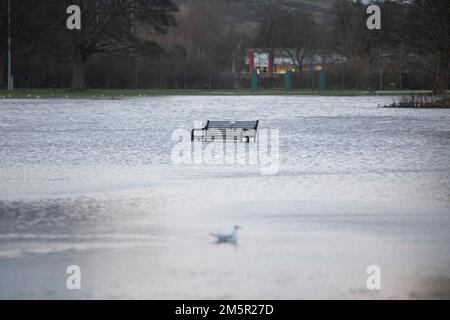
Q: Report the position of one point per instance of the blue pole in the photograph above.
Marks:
(322, 80)
(288, 82)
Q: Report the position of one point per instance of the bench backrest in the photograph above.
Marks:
(232, 125)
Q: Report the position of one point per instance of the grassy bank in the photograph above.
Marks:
(124, 93)
(421, 102)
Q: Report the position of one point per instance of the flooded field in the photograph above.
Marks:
(93, 183)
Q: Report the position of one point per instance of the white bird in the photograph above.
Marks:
(230, 238)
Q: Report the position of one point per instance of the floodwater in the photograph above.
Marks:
(94, 183)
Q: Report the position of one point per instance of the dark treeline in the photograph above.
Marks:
(200, 44)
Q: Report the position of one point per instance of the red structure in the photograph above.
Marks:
(270, 62)
(251, 61)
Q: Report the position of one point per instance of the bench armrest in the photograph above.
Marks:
(193, 133)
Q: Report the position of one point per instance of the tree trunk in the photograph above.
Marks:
(210, 80)
(1, 72)
(78, 69)
(441, 85)
(381, 79)
(400, 69)
(342, 78)
(185, 71)
(136, 73)
(78, 76)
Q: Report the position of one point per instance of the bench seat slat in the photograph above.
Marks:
(227, 130)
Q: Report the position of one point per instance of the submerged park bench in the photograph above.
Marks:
(238, 131)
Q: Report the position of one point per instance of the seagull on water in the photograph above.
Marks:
(230, 238)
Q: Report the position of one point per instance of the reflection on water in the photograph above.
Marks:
(93, 182)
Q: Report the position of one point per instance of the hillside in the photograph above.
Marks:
(248, 11)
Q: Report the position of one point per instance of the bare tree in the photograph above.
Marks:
(429, 29)
(290, 29)
(108, 26)
(298, 36)
(208, 32)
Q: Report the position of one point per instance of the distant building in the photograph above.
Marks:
(278, 61)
